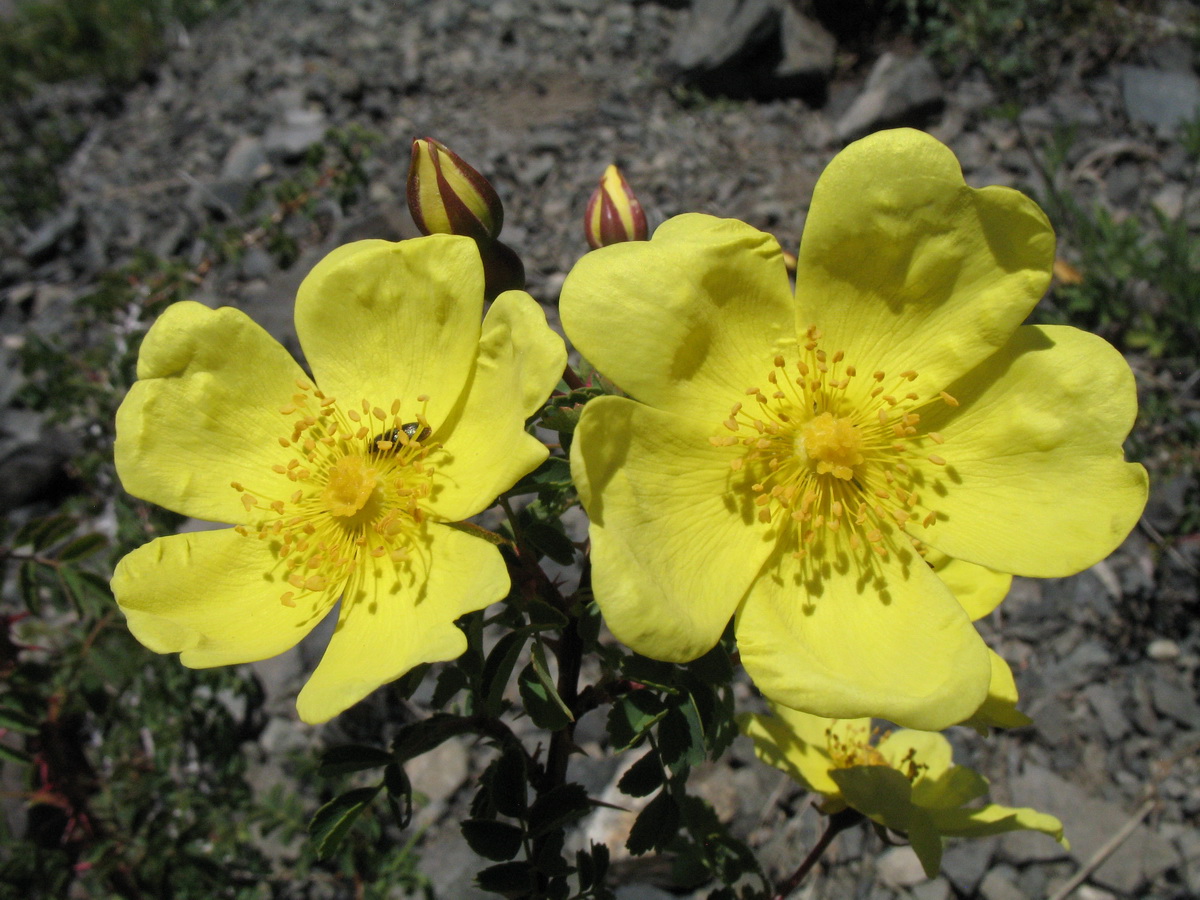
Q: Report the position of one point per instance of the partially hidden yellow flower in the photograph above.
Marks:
(786, 458)
(904, 780)
(339, 485)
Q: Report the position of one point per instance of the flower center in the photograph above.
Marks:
(353, 484)
(831, 455)
(854, 747)
(833, 443)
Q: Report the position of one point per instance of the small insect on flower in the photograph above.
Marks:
(390, 439)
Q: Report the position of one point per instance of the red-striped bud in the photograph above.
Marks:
(447, 196)
(614, 213)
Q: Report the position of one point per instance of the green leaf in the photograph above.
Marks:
(655, 826)
(352, 758)
(50, 531)
(643, 778)
(545, 616)
(557, 807)
(421, 737)
(651, 672)
(586, 869)
(27, 584)
(82, 547)
(554, 473)
(513, 879)
(334, 820)
(498, 668)
(551, 541)
(451, 680)
(12, 754)
(631, 716)
(681, 736)
(544, 706)
(498, 841)
(538, 661)
(508, 782)
(399, 794)
(14, 720)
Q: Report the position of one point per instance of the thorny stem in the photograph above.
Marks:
(838, 823)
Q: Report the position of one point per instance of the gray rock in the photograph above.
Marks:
(1175, 702)
(1104, 702)
(1089, 823)
(719, 33)
(966, 862)
(246, 160)
(898, 91)
(809, 51)
(999, 885)
(40, 245)
(299, 130)
(937, 889)
(1159, 98)
(899, 867)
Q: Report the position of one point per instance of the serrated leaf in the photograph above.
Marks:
(557, 807)
(651, 672)
(542, 670)
(513, 879)
(82, 547)
(451, 680)
(539, 702)
(498, 668)
(14, 720)
(549, 859)
(51, 531)
(545, 616)
(550, 541)
(12, 754)
(352, 758)
(631, 716)
(681, 736)
(554, 473)
(334, 820)
(497, 841)
(508, 782)
(27, 585)
(586, 869)
(421, 737)
(655, 826)
(563, 419)
(643, 778)
(399, 794)
(600, 858)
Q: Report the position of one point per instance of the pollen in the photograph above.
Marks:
(833, 460)
(353, 485)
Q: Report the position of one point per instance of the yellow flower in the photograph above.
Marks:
(785, 458)
(338, 485)
(904, 780)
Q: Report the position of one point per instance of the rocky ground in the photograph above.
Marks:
(541, 95)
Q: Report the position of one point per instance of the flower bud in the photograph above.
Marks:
(614, 214)
(447, 196)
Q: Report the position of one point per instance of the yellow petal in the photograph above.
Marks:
(929, 749)
(520, 360)
(687, 321)
(1037, 483)
(797, 746)
(671, 557)
(214, 598)
(388, 321)
(396, 616)
(825, 637)
(995, 819)
(904, 267)
(978, 590)
(205, 413)
(884, 795)
(999, 710)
